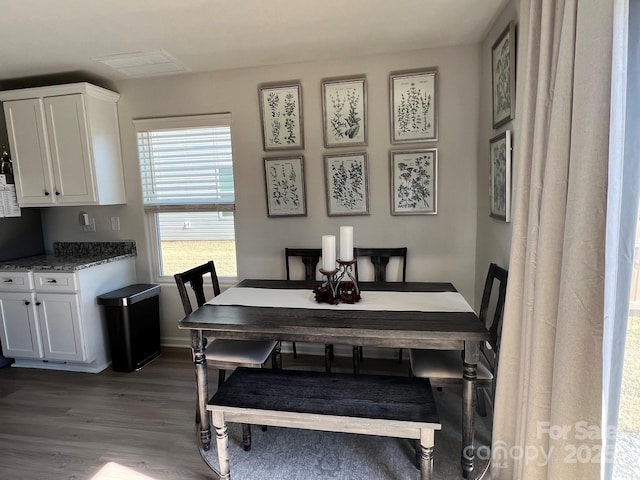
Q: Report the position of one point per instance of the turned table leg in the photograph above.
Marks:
(198, 345)
(222, 442)
(426, 453)
(469, 378)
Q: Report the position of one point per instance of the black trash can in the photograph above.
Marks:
(133, 323)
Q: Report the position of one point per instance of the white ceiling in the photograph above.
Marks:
(45, 37)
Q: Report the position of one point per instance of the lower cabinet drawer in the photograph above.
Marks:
(15, 281)
(55, 282)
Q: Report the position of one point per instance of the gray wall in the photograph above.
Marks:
(441, 247)
(493, 235)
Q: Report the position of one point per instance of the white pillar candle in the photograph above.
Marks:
(328, 252)
(346, 244)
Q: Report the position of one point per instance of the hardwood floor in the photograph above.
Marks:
(65, 425)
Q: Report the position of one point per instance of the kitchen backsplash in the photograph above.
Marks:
(87, 249)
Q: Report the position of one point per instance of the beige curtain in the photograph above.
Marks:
(548, 398)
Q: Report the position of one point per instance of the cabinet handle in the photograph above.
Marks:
(27, 303)
(46, 194)
(38, 303)
(8, 280)
(52, 281)
(57, 193)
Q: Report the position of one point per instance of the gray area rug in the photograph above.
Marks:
(294, 454)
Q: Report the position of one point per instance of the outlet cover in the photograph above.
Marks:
(115, 223)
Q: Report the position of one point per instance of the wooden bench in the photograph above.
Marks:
(390, 406)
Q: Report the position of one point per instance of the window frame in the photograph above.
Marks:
(151, 211)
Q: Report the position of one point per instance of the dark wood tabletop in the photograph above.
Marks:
(406, 329)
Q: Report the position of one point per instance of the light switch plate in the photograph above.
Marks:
(91, 227)
(115, 223)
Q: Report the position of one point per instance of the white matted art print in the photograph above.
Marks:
(500, 176)
(414, 182)
(413, 105)
(346, 184)
(344, 112)
(281, 113)
(284, 179)
(503, 76)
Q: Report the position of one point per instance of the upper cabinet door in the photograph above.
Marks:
(69, 146)
(65, 143)
(30, 151)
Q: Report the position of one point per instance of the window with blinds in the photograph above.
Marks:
(186, 170)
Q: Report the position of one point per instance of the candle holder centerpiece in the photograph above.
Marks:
(338, 285)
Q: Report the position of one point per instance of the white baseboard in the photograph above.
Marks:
(92, 367)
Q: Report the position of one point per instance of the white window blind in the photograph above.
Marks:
(185, 165)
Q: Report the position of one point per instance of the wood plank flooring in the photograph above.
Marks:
(65, 425)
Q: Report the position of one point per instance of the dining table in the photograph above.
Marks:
(419, 315)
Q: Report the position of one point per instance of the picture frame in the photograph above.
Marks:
(414, 181)
(413, 104)
(344, 111)
(500, 176)
(281, 116)
(284, 180)
(503, 76)
(347, 183)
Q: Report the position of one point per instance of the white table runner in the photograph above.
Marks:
(371, 300)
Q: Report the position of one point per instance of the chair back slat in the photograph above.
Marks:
(195, 278)
(494, 274)
(310, 257)
(380, 259)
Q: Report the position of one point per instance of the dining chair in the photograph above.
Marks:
(380, 258)
(225, 354)
(310, 258)
(444, 367)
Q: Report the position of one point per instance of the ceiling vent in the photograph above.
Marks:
(144, 64)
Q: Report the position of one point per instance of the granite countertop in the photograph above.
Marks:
(72, 256)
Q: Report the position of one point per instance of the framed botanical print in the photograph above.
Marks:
(284, 177)
(414, 105)
(503, 76)
(344, 112)
(414, 181)
(281, 114)
(500, 176)
(346, 181)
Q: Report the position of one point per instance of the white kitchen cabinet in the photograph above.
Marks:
(60, 326)
(48, 327)
(59, 316)
(65, 144)
(20, 332)
(37, 324)
(52, 320)
(19, 329)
